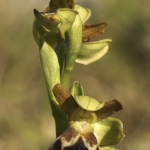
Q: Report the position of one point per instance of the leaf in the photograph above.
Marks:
(88, 103)
(109, 131)
(84, 13)
(77, 89)
(92, 51)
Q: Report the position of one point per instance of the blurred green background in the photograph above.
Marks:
(123, 73)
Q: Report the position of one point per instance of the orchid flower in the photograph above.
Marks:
(89, 126)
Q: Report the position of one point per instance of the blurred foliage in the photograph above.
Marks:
(123, 74)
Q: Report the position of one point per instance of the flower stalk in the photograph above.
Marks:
(81, 121)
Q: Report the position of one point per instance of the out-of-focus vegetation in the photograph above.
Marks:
(123, 73)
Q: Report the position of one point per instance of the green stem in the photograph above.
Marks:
(74, 40)
(61, 51)
(66, 79)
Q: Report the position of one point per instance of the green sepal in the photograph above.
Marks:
(108, 131)
(92, 51)
(67, 17)
(84, 13)
(40, 32)
(76, 89)
(48, 20)
(89, 103)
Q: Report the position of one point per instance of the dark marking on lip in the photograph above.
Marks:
(79, 145)
(56, 145)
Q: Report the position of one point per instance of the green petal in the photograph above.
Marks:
(84, 13)
(67, 17)
(109, 131)
(89, 103)
(76, 89)
(92, 51)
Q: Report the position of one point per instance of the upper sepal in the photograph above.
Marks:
(89, 103)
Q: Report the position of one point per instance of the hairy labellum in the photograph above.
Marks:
(77, 137)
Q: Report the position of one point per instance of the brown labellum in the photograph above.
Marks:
(72, 139)
(89, 32)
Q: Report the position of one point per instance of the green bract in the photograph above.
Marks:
(52, 76)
